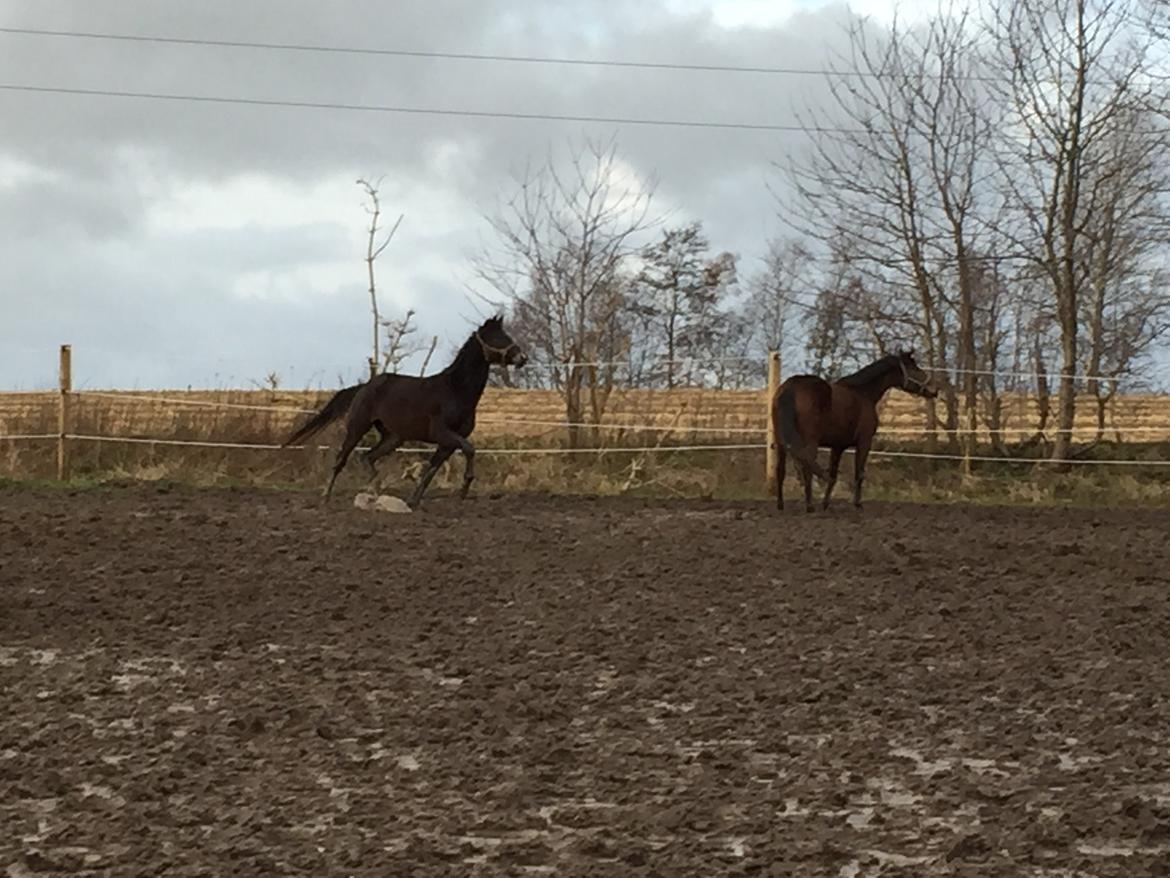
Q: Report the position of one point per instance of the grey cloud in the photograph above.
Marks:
(138, 298)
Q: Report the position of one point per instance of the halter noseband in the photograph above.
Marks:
(908, 382)
(487, 348)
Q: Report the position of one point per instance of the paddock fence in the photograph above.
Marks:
(74, 426)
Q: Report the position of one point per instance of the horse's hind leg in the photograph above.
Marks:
(364, 457)
(781, 466)
(806, 476)
(353, 435)
(859, 470)
(834, 466)
(386, 446)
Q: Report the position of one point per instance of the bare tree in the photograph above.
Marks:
(1034, 338)
(401, 344)
(989, 337)
(843, 324)
(422, 370)
(561, 264)
(737, 365)
(1125, 308)
(953, 117)
(777, 293)
(1074, 72)
(679, 293)
(894, 178)
(374, 249)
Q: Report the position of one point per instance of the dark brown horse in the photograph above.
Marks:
(439, 409)
(810, 413)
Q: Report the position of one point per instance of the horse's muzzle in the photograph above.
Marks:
(519, 359)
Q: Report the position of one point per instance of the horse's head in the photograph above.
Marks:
(914, 378)
(499, 347)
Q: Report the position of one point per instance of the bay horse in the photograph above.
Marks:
(438, 409)
(809, 413)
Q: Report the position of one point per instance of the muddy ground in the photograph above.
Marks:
(238, 682)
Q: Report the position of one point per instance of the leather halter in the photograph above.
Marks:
(912, 384)
(487, 348)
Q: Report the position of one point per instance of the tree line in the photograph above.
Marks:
(991, 188)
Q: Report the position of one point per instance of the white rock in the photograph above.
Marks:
(364, 501)
(388, 503)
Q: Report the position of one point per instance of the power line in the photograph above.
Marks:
(482, 56)
(428, 111)
(445, 111)
(455, 56)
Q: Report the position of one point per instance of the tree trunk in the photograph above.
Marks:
(1066, 402)
(599, 392)
(932, 425)
(969, 363)
(574, 413)
(951, 421)
(1067, 293)
(995, 426)
(1043, 392)
(931, 404)
(994, 415)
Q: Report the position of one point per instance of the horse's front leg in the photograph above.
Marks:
(468, 451)
(859, 470)
(437, 460)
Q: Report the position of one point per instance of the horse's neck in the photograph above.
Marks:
(876, 389)
(469, 372)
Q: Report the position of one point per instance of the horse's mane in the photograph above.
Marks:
(872, 372)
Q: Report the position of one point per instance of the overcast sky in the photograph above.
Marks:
(186, 243)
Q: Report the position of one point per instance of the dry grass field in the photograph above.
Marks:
(1139, 427)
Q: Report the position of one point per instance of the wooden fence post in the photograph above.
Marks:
(65, 380)
(770, 453)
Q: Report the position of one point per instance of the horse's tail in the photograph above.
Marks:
(790, 437)
(334, 409)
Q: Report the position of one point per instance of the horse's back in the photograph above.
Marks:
(394, 389)
(807, 391)
(403, 404)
